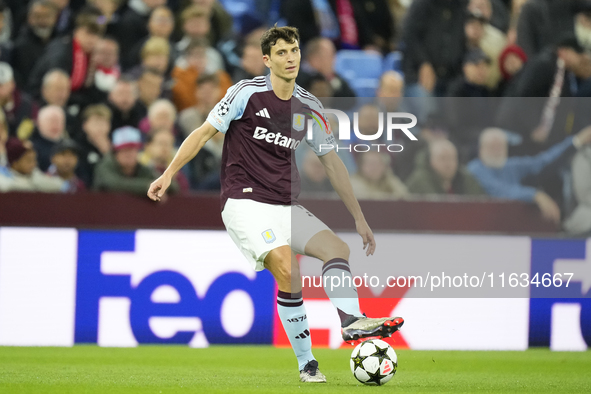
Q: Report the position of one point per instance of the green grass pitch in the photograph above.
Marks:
(263, 369)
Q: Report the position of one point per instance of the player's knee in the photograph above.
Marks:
(281, 266)
(337, 249)
(343, 249)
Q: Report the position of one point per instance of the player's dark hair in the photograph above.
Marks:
(207, 78)
(269, 38)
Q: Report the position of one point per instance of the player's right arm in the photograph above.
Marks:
(230, 108)
(189, 148)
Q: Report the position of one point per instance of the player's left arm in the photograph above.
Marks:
(339, 178)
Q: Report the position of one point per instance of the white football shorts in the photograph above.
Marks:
(257, 228)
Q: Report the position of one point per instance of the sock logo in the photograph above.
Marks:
(303, 335)
(297, 319)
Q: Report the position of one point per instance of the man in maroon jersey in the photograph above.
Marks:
(261, 119)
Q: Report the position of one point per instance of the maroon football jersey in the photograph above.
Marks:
(261, 133)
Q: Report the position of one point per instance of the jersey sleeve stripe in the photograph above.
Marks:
(239, 88)
(309, 96)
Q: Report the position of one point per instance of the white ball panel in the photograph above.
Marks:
(367, 349)
(361, 375)
(392, 355)
(352, 363)
(371, 364)
(356, 350)
(385, 379)
(381, 344)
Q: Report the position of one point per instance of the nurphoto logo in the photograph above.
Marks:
(394, 121)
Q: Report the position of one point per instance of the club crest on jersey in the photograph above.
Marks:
(268, 236)
(299, 121)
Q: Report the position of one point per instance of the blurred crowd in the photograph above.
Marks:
(98, 94)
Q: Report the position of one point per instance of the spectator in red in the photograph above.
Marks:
(511, 63)
(64, 160)
(71, 53)
(344, 22)
(105, 62)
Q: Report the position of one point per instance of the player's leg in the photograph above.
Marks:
(336, 274)
(338, 284)
(282, 263)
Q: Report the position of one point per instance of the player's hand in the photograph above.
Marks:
(158, 188)
(369, 242)
(549, 208)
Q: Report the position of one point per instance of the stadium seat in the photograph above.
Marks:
(361, 69)
(238, 9)
(393, 61)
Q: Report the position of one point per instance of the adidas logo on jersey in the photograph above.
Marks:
(260, 133)
(263, 113)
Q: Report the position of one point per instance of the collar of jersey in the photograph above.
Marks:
(270, 87)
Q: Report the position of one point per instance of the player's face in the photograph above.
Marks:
(284, 60)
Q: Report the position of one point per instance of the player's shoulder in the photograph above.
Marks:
(307, 98)
(246, 87)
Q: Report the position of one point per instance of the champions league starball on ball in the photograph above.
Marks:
(374, 362)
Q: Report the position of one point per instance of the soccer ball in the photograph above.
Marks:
(373, 362)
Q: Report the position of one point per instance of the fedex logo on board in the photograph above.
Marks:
(561, 317)
(169, 287)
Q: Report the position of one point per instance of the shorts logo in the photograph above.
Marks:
(268, 236)
(299, 121)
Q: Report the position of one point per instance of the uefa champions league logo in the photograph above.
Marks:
(223, 108)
